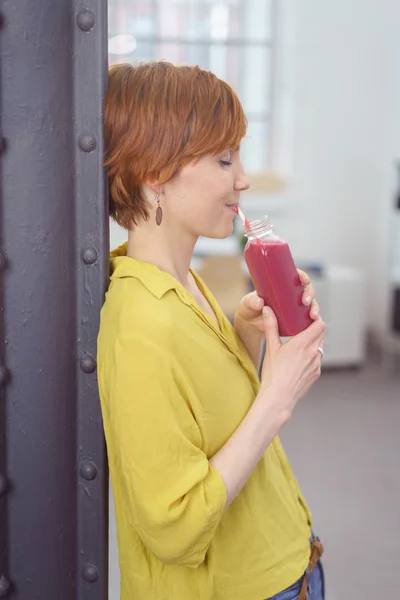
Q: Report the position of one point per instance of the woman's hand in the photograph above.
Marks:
(290, 369)
(249, 313)
(309, 294)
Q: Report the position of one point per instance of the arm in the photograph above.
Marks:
(175, 495)
(237, 459)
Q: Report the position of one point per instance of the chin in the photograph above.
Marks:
(219, 233)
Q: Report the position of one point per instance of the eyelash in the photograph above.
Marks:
(226, 163)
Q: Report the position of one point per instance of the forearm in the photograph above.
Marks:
(236, 460)
(252, 339)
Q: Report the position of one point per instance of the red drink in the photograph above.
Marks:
(275, 277)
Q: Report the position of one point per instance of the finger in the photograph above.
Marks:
(317, 366)
(315, 310)
(252, 302)
(271, 330)
(304, 278)
(314, 332)
(308, 295)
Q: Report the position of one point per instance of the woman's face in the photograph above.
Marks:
(200, 199)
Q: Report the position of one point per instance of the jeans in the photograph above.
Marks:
(316, 586)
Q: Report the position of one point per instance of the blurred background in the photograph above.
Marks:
(320, 85)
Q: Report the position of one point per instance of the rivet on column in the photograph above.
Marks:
(85, 20)
(88, 470)
(88, 142)
(90, 573)
(88, 364)
(89, 256)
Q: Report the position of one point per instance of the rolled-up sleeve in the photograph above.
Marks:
(174, 498)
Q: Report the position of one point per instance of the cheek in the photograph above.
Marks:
(219, 185)
(199, 191)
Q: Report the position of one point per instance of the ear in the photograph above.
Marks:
(152, 186)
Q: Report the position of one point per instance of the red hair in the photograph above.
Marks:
(159, 118)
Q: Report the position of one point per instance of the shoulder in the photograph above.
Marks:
(131, 309)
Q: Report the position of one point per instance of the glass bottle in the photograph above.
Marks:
(272, 269)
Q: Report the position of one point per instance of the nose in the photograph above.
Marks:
(242, 182)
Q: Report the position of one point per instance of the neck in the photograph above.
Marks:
(168, 250)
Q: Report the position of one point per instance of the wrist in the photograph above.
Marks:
(276, 403)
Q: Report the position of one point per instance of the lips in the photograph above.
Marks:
(232, 206)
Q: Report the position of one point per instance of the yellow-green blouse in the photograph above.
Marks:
(173, 388)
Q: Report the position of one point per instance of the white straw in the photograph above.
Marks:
(241, 215)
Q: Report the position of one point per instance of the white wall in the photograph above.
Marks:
(346, 136)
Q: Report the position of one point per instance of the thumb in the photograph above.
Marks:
(271, 328)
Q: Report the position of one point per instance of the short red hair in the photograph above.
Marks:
(159, 118)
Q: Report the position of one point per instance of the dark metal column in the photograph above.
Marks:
(4, 582)
(54, 239)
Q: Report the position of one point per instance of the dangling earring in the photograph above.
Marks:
(159, 211)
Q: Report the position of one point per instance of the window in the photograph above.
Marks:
(235, 39)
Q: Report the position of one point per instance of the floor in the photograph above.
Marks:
(344, 445)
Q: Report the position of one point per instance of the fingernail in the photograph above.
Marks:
(258, 303)
(316, 312)
(265, 311)
(308, 300)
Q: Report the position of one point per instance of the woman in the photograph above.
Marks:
(206, 504)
